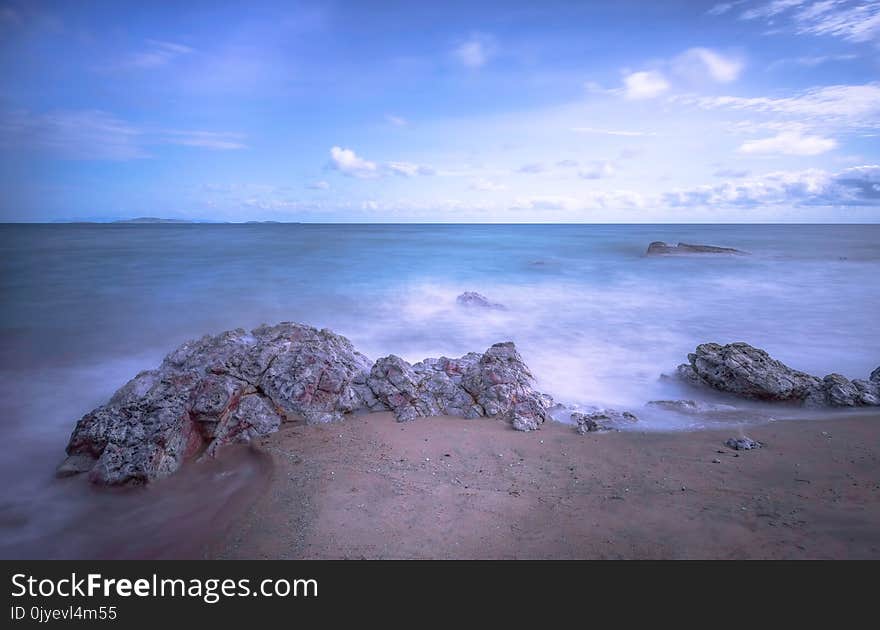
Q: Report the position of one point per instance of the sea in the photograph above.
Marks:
(87, 306)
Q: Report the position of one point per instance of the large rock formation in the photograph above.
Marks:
(743, 370)
(496, 383)
(236, 385)
(215, 391)
(659, 248)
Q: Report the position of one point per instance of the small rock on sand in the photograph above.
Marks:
(743, 444)
(604, 420)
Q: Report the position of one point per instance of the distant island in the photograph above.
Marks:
(152, 220)
(160, 220)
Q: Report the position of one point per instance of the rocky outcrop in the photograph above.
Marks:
(237, 385)
(472, 299)
(602, 420)
(215, 391)
(743, 370)
(496, 383)
(750, 372)
(659, 248)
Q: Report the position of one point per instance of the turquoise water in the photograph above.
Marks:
(85, 307)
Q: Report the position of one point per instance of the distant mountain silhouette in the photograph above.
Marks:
(152, 220)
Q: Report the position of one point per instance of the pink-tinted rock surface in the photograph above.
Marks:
(236, 385)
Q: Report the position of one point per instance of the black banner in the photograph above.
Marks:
(129, 594)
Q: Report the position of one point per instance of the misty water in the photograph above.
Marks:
(85, 307)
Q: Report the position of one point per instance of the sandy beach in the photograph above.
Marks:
(444, 487)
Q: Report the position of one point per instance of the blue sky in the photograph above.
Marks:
(747, 110)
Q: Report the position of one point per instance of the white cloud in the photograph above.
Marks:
(857, 186)
(860, 23)
(535, 167)
(851, 106)
(158, 53)
(545, 202)
(397, 121)
(644, 85)
(698, 62)
(597, 170)
(723, 7)
(99, 135)
(319, 185)
(612, 132)
(476, 51)
(220, 141)
(487, 185)
(770, 9)
(84, 134)
(592, 87)
(348, 163)
(408, 169)
(789, 143)
(812, 61)
(593, 200)
(854, 21)
(629, 153)
(731, 173)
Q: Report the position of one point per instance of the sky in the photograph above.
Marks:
(623, 111)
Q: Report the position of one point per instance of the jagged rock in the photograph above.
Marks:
(659, 248)
(496, 383)
(743, 370)
(254, 416)
(743, 444)
(474, 299)
(840, 391)
(213, 391)
(501, 383)
(398, 386)
(603, 420)
(869, 392)
(318, 380)
(237, 385)
(525, 423)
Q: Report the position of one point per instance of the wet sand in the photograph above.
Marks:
(452, 488)
(178, 517)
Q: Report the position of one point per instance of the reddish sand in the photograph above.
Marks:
(451, 488)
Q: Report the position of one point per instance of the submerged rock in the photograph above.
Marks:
(603, 420)
(238, 385)
(689, 406)
(744, 370)
(659, 248)
(472, 299)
